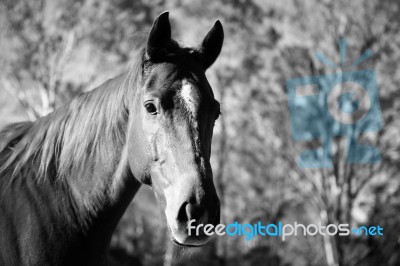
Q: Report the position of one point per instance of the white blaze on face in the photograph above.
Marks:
(187, 96)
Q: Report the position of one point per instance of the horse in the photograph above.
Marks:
(67, 178)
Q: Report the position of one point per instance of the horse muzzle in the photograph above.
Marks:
(188, 229)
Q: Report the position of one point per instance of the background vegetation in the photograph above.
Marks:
(52, 50)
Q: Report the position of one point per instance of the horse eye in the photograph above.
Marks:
(150, 108)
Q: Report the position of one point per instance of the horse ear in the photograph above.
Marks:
(212, 44)
(159, 36)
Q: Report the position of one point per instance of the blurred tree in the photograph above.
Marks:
(41, 47)
(334, 192)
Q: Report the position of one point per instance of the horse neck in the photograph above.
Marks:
(83, 146)
(93, 160)
(75, 158)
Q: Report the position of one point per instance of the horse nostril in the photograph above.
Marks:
(193, 212)
(189, 212)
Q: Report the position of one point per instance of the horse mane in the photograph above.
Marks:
(68, 141)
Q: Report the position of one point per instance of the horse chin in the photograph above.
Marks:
(186, 245)
(190, 242)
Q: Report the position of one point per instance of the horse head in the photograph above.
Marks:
(169, 143)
